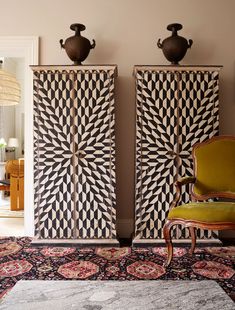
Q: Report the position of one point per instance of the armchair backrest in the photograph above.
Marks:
(15, 167)
(214, 168)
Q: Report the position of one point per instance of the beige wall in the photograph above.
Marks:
(126, 32)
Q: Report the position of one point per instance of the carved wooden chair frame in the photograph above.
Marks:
(193, 225)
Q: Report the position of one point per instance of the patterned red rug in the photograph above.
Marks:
(19, 260)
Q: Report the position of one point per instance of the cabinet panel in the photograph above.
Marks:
(198, 107)
(156, 165)
(198, 121)
(156, 190)
(53, 156)
(95, 152)
(156, 109)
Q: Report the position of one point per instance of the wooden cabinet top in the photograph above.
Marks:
(82, 68)
(179, 68)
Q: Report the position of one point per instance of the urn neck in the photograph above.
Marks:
(174, 28)
(174, 32)
(77, 28)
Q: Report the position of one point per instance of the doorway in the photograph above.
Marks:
(21, 52)
(12, 155)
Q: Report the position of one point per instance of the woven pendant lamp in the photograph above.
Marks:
(9, 89)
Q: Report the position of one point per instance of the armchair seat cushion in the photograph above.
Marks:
(208, 212)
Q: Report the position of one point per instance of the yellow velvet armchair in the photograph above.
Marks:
(214, 177)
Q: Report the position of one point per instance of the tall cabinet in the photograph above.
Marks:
(74, 154)
(176, 107)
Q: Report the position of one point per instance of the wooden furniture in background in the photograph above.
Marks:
(214, 175)
(16, 170)
(4, 184)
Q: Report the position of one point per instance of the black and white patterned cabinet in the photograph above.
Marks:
(74, 154)
(177, 106)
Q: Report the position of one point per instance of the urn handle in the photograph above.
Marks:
(61, 43)
(93, 44)
(190, 43)
(159, 44)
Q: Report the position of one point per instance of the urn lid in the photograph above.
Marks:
(77, 27)
(174, 26)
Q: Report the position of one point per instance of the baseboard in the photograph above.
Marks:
(227, 234)
(157, 242)
(125, 228)
(75, 242)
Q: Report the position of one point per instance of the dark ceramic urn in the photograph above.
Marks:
(174, 47)
(77, 47)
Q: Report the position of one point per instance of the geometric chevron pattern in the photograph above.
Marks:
(176, 108)
(74, 152)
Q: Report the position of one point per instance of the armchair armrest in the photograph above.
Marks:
(184, 181)
(179, 183)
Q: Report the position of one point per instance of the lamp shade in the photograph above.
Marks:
(2, 142)
(9, 89)
(13, 142)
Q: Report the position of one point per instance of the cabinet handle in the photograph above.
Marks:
(81, 154)
(171, 153)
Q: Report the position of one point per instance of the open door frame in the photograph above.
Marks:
(25, 47)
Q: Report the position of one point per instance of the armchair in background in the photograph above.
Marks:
(15, 168)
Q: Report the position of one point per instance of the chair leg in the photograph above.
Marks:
(193, 237)
(167, 236)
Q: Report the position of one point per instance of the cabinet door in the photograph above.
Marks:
(53, 169)
(156, 149)
(198, 108)
(95, 155)
(198, 121)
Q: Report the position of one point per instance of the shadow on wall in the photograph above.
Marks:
(125, 146)
(201, 52)
(103, 53)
